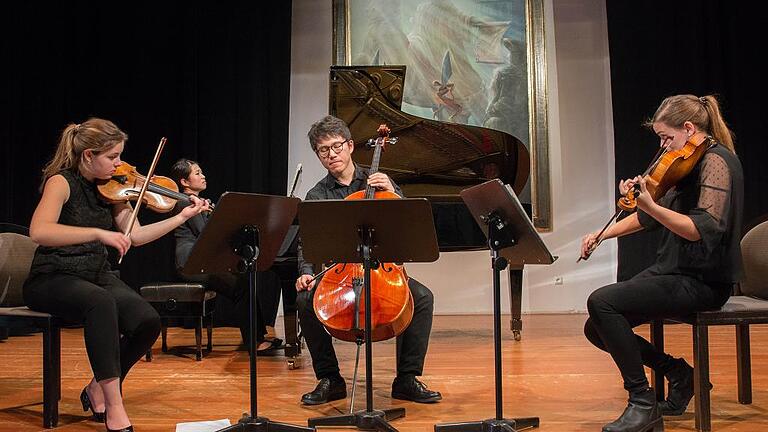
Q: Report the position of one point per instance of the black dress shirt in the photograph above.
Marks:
(330, 188)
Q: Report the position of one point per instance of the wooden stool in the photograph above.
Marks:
(182, 300)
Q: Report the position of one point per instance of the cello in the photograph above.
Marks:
(339, 292)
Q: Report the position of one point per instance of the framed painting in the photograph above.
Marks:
(474, 62)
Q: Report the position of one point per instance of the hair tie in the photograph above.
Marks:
(703, 100)
(76, 129)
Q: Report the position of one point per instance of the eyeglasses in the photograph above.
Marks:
(326, 150)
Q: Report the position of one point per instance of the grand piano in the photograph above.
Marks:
(432, 159)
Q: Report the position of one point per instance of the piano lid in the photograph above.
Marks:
(432, 159)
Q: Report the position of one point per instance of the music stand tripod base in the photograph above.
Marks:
(375, 420)
(491, 425)
(263, 424)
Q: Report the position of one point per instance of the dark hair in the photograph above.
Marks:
(93, 134)
(704, 112)
(181, 169)
(328, 126)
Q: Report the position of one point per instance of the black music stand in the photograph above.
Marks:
(367, 231)
(243, 235)
(513, 240)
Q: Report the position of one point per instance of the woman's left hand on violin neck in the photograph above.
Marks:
(644, 199)
(197, 206)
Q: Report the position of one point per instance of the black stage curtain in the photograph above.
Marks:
(213, 79)
(662, 48)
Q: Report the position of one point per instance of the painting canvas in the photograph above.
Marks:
(475, 62)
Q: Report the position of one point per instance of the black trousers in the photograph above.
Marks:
(120, 326)
(235, 309)
(412, 344)
(615, 309)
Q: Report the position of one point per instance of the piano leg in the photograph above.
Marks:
(288, 275)
(516, 301)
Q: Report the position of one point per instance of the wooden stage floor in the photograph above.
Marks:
(553, 373)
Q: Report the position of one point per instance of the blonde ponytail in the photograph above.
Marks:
(94, 134)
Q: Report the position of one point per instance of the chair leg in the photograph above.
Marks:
(657, 340)
(290, 320)
(515, 301)
(164, 333)
(701, 377)
(149, 355)
(209, 327)
(56, 351)
(744, 363)
(51, 375)
(199, 338)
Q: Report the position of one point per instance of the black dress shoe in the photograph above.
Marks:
(641, 415)
(328, 389)
(411, 389)
(86, 401)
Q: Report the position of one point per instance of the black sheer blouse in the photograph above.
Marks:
(712, 195)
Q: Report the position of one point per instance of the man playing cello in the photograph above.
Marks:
(331, 141)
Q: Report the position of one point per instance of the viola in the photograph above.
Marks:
(665, 171)
(125, 185)
(337, 291)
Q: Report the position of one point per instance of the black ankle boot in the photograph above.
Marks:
(641, 415)
(680, 389)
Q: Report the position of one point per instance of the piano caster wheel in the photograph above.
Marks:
(294, 363)
(516, 335)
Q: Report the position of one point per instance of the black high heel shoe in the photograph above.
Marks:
(100, 417)
(128, 428)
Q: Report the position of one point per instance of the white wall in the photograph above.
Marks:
(581, 152)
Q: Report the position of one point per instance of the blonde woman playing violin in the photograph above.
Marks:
(71, 276)
(697, 263)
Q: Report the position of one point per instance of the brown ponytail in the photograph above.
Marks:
(717, 126)
(95, 134)
(704, 112)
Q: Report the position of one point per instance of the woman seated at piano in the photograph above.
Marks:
(234, 288)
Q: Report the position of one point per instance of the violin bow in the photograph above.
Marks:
(656, 159)
(144, 187)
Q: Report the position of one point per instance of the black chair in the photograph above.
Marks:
(16, 253)
(747, 306)
(182, 300)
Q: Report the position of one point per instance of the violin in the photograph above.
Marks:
(341, 286)
(125, 185)
(665, 171)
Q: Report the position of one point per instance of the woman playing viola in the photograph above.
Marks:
(698, 260)
(71, 276)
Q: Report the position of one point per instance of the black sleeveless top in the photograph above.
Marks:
(84, 208)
